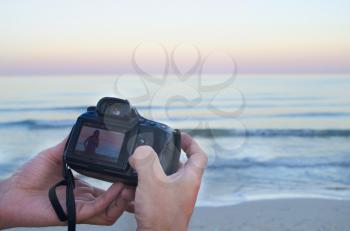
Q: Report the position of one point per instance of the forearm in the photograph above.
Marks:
(4, 188)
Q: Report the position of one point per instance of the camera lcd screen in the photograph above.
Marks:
(99, 142)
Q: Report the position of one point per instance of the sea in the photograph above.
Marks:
(266, 136)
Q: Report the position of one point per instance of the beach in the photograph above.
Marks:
(267, 215)
(291, 141)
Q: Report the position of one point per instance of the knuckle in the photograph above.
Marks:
(199, 162)
(127, 195)
(109, 221)
(144, 149)
(144, 152)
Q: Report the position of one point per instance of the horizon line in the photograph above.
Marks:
(171, 74)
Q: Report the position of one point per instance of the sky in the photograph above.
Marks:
(100, 37)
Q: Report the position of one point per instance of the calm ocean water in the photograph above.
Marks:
(266, 136)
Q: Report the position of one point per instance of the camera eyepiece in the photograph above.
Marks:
(113, 107)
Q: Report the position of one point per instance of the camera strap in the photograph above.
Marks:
(68, 181)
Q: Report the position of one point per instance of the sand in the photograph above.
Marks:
(268, 215)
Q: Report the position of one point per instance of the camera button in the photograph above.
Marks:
(91, 109)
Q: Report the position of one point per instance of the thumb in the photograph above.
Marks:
(146, 163)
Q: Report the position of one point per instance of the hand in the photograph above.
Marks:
(24, 196)
(165, 203)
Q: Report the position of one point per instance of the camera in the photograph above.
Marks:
(105, 136)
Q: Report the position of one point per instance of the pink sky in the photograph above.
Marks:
(88, 37)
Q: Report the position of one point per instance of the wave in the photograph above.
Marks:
(38, 124)
(269, 132)
(207, 133)
(285, 162)
(41, 109)
(314, 114)
(81, 109)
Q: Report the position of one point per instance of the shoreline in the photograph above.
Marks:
(301, 214)
(264, 215)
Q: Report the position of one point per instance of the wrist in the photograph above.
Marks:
(179, 225)
(4, 188)
(174, 228)
(162, 229)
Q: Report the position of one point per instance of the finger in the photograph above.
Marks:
(146, 163)
(104, 200)
(131, 207)
(197, 159)
(189, 145)
(179, 172)
(101, 203)
(129, 193)
(96, 192)
(85, 187)
(124, 198)
(113, 212)
(87, 196)
(116, 209)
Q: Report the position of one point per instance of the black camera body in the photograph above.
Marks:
(104, 137)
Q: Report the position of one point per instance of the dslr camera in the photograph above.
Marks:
(104, 137)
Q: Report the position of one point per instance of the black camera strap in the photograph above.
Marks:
(68, 181)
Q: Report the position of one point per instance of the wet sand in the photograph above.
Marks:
(268, 215)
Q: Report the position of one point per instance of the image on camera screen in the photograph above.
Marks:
(95, 141)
